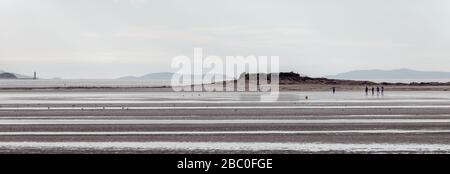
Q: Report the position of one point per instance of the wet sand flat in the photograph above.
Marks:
(224, 123)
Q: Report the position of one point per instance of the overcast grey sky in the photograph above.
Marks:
(113, 38)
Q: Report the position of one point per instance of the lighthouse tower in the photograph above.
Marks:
(35, 76)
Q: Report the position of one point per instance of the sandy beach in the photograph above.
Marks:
(224, 122)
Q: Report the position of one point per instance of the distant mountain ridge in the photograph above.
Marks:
(160, 76)
(391, 74)
(151, 76)
(9, 75)
(5, 75)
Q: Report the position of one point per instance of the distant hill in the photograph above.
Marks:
(157, 76)
(391, 74)
(291, 78)
(17, 76)
(5, 75)
(151, 76)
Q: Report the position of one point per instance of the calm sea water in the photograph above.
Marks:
(42, 83)
(216, 97)
(81, 83)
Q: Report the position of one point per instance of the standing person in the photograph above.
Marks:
(373, 91)
(382, 90)
(367, 90)
(334, 90)
(378, 90)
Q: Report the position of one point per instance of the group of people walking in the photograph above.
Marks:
(380, 90)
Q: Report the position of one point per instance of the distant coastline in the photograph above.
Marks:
(288, 82)
(395, 75)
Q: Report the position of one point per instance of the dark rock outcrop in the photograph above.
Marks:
(292, 78)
